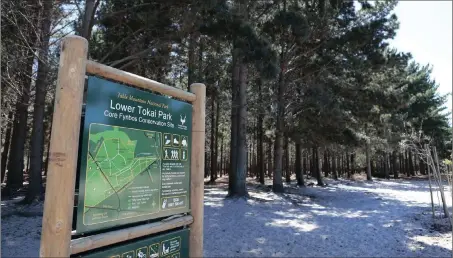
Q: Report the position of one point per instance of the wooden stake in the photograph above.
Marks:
(59, 197)
(197, 170)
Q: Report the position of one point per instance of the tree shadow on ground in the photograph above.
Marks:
(315, 223)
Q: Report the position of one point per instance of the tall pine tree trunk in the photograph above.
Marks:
(277, 183)
(88, 19)
(234, 122)
(334, 166)
(6, 145)
(237, 182)
(317, 167)
(287, 168)
(191, 59)
(221, 157)
(269, 159)
(411, 164)
(213, 154)
(386, 166)
(326, 164)
(298, 165)
(37, 137)
(304, 164)
(242, 133)
(406, 164)
(395, 165)
(216, 145)
(347, 166)
(15, 176)
(368, 163)
(422, 166)
(261, 165)
(353, 163)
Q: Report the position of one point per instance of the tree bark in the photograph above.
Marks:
(411, 164)
(287, 168)
(15, 176)
(298, 165)
(216, 145)
(334, 166)
(191, 60)
(353, 163)
(304, 164)
(88, 19)
(406, 164)
(6, 145)
(395, 165)
(368, 163)
(242, 133)
(277, 183)
(269, 159)
(37, 137)
(237, 182)
(312, 163)
(326, 164)
(317, 169)
(422, 166)
(234, 123)
(46, 163)
(261, 166)
(347, 166)
(386, 165)
(213, 154)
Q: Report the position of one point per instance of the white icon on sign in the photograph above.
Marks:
(166, 154)
(165, 250)
(184, 142)
(141, 254)
(175, 141)
(167, 141)
(174, 154)
(183, 155)
(183, 120)
(164, 204)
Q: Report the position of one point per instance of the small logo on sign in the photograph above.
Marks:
(183, 120)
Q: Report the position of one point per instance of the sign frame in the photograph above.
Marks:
(56, 231)
(142, 117)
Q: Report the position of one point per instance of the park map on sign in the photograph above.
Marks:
(123, 173)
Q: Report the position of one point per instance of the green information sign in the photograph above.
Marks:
(135, 156)
(171, 245)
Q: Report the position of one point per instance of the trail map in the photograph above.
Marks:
(120, 160)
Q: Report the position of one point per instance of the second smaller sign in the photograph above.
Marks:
(171, 245)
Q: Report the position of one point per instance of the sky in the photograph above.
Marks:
(426, 31)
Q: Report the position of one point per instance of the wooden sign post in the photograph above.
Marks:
(64, 151)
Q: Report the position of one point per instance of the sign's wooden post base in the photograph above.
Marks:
(61, 175)
(64, 150)
(197, 170)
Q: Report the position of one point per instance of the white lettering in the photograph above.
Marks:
(166, 116)
(122, 107)
(110, 114)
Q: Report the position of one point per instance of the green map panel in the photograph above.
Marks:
(121, 162)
